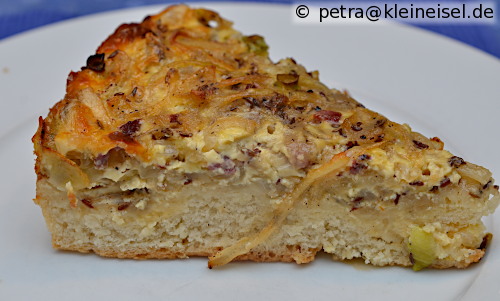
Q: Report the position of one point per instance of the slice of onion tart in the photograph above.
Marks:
(180, 137)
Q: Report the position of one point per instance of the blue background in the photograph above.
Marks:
(20, 15)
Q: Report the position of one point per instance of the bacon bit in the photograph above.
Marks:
(496, 187)
(188, 181)
(474, 195)
(276, 104)
(456, 161)
(174, 118)
(119, 136)
(170, 73)
(123, 206)
(436, 139)
(412, 260)
(357, 202)
(380, 138)
(331, 117)
(101, 161)
(357, 167)
(396, 200)
(96, 62)
(185, 135)
(357, 127)
(485, 186)
(352, 144)
(126, 132)
(416, 183)
(341, 133)
(445, 182)
(486, 239)
(227, 166)
(251, 152)
(420, 145)
(204, 91)
(131, 127)
(299, 154)
(164, 134)
(380, 122)
(99, 124)
(87, 203)
(364, 157)
(113, 54)
(434, 189)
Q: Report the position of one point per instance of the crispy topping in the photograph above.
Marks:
(96, 62)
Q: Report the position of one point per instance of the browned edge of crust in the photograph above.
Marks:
(291, 254)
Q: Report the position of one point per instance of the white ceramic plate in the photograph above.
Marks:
(441, 87)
